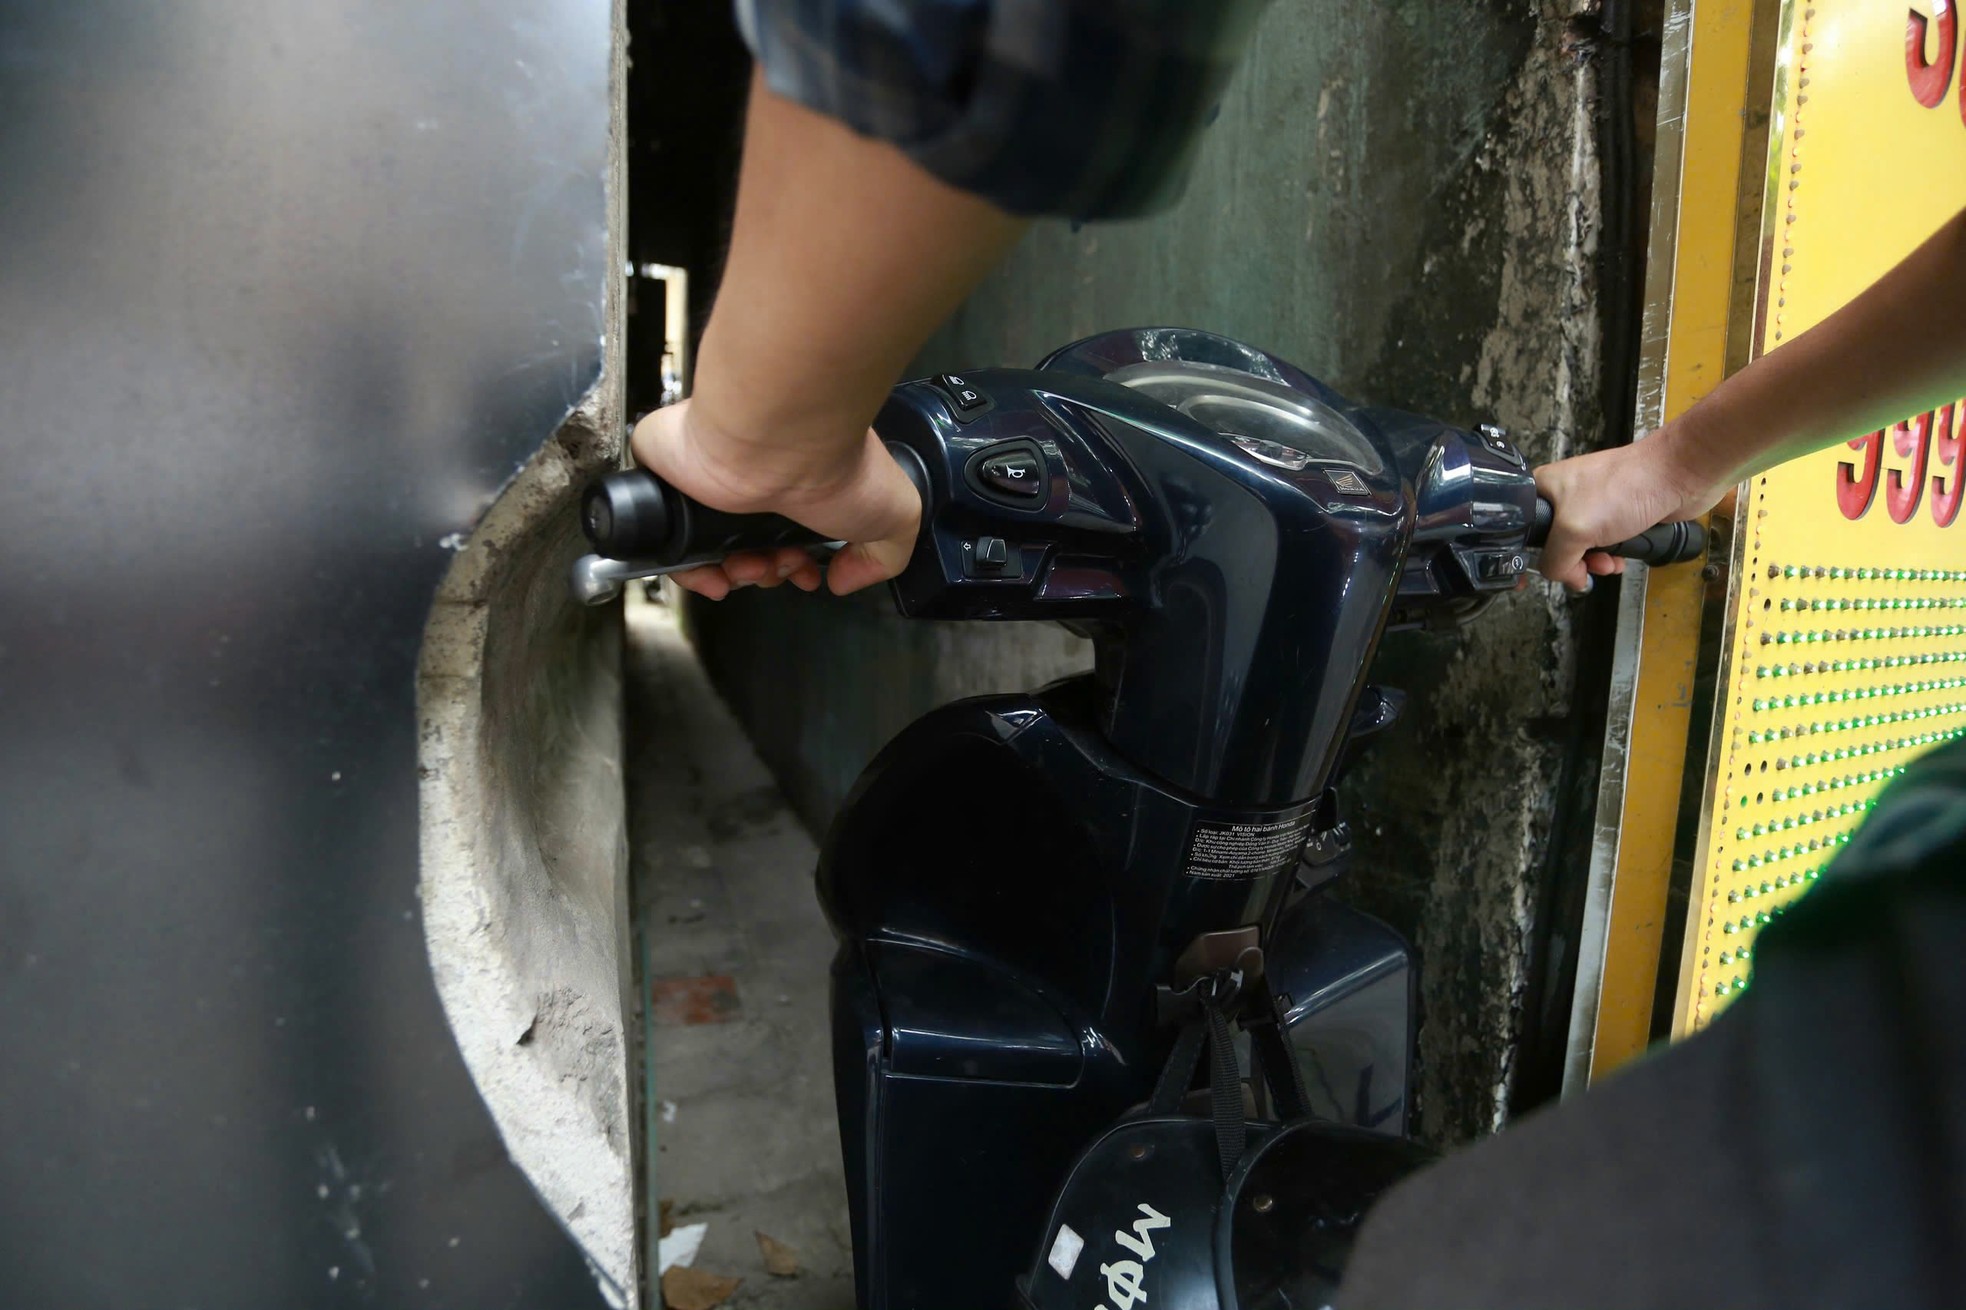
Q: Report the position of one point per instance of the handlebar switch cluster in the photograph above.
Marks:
(1496, 438)
(965, 400)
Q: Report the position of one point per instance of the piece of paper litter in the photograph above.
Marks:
(678, 1250)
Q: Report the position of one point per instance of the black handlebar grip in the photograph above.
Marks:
(634, 515)
(1668, 543)
(1539, 531)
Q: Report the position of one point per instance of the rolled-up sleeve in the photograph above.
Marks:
(1080, 108)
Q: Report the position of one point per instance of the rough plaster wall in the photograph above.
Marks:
(524, 850)
(524, 870)
(1455, 863)
(1305, 222)
(1402, 199)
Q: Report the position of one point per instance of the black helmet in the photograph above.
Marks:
(1174, 1211)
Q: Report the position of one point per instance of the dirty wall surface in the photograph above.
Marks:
(1403, 200)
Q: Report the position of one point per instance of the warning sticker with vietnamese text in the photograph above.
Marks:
(1236, 851)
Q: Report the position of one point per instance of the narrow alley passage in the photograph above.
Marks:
(734, 955)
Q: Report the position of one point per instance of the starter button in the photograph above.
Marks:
(1499, 567)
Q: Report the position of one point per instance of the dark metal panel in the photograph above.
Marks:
(286, 293)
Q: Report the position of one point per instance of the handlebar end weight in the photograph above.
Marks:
(626, 515)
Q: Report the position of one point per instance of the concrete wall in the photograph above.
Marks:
(524, 875)
(524, 870)
(1403, 200)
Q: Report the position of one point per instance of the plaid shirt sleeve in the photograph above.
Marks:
(1081, 108)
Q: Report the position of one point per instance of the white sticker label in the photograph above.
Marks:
(1242, 849)
(1065, 1251)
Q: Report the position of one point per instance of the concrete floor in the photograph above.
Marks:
(736, 953)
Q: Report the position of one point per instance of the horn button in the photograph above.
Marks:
(1012, 473)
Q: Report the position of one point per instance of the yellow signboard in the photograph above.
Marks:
(1845, 650)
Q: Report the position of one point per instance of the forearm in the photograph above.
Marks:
(1081, 109)
(844, 256)
(1896, 350)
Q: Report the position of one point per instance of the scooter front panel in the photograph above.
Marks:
(1008, 889)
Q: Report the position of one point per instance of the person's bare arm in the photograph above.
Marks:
(1897, 349)
(844, 256)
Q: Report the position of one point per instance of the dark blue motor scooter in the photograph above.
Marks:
(1026, 887)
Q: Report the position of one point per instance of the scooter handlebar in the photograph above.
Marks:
(1668, 543)
(632, 514)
